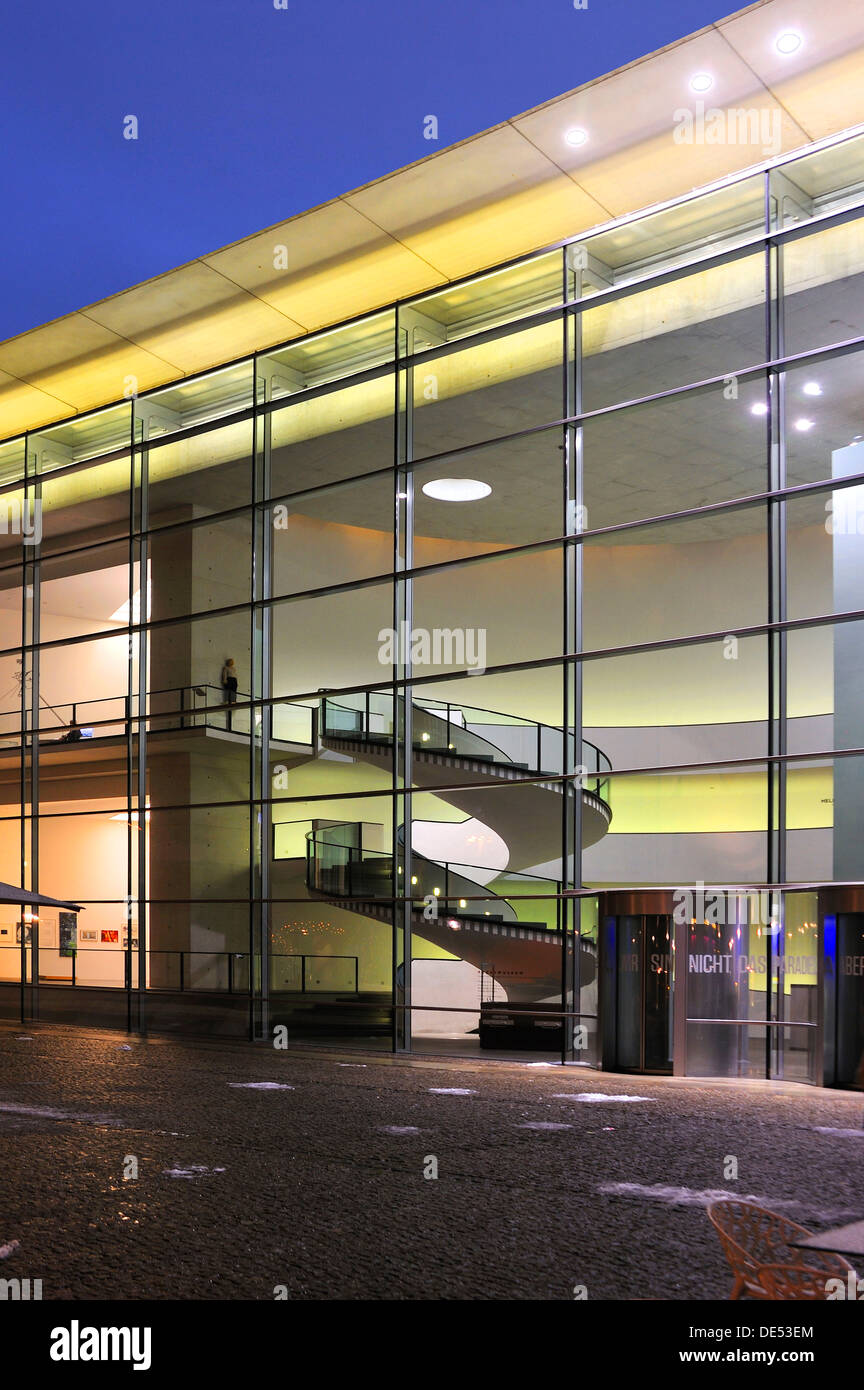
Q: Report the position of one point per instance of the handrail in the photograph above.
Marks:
(361, 873)
(190, 705)
(454, 728)
(232, 985)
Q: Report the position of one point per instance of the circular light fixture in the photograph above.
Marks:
(456, 489)
(788, 42)
(803, 425)
(701, 82)
(760, 408)
(811, 388)
(576, 137)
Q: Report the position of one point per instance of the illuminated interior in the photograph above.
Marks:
(541, 589)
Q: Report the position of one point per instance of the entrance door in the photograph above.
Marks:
(643, 993)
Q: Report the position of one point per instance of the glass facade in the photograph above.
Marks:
(482, 675)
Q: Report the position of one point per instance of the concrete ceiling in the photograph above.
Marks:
(667, 456)
(510, 190)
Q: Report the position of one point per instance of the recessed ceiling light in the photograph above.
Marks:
(456, 489)
(701, 82)
(576, 136)
(811, 388)
(804, 424)
(760, 408)
(788, 42)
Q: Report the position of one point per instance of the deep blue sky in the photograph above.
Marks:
(249, 114)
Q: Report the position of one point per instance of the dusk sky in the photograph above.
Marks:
(248, 114)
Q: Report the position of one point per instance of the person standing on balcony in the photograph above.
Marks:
(229, 685)
(229, 681)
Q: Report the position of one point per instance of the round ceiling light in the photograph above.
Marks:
(576, 136)
(811, 388)
(701, 82)
(788, 42)
(456, 489)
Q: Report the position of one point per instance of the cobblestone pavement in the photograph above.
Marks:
(315, 1182)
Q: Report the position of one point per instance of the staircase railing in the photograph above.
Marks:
(339, 865)
(469, 732)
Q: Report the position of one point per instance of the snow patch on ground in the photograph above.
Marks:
(543, 1124)
(599, 1096)
(399, 1129)
(450, 1091)
(195, 1170)
(685, 1196)
(846, 1133)
(260, 1086)
(45, 1112)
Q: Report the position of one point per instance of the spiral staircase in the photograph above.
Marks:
(483, 764)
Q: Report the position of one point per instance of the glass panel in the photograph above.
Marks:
(199, 946)
(676, 453)
(706, 826)
(674, 579)
(322, 357)
(187, 663)
(12, 455)
(333, 536)
(488, 390)
(831, 178)
(490, 300)
(717, 1049)
(87, 591)
(194, 401)
(811, 549)
(337, 946)
(710, 323)
(845, 931)
(525, 503)
(628, 1003)
(193, 568)
(678, 706)
(824, 422)
(102, 432)
(332, 641)
(84, 858)
(795, 986)
(823, 284)
(332, 434)
(488, 613)
(86, 506)
(83, 686)
(487, 927)
(206, 473)
(702, 226)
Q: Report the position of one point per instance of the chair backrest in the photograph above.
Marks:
(753, 1236)
(791, 1283)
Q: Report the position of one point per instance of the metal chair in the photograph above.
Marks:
(753, 1237)
(796, 1283)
